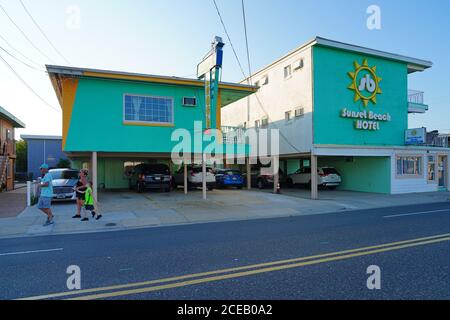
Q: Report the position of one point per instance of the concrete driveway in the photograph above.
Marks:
(129, 210)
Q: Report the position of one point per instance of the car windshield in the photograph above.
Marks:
(155, 169)
(199, 169)
(329, 171)
(230, 172)
(64, 175)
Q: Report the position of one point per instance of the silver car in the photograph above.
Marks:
(64, 182)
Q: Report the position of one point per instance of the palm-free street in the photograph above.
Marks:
(310, 257)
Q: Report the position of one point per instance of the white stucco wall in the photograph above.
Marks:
(277, 97)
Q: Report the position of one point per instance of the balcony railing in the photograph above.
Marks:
(415, 96)
(233, 135)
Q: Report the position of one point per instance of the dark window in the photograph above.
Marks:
(154, 169)
(64, 174)
(330, 171)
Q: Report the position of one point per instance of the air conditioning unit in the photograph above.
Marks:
(190, 101)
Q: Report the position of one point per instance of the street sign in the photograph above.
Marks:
(416, 136)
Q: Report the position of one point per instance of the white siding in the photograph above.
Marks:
(277, 97)
(409, 185)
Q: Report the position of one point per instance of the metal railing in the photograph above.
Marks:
(415, 96)
(233, 135)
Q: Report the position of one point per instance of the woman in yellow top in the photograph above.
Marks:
(89, 203)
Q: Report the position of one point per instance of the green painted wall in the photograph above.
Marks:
(363, 174)
(331, 96)
(98, 114)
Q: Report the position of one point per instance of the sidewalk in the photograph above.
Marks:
(12, 203)
(126, 210)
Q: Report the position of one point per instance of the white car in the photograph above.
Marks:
(328, 177)
(195, 178)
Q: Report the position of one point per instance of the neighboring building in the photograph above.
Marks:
(8, 124)
(43, 149)
(345, 106)
(114, 120)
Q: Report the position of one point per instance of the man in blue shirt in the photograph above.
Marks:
(46, 196)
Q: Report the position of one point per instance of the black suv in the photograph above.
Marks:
(151, 176)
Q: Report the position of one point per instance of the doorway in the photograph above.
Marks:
(442, 172)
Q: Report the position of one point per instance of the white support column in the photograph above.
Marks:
(249, 174)
(314, 178)
(94, 175)
(276, 175)
(204, 175)
(185, 179)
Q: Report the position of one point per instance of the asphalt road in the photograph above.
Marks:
(188, 262)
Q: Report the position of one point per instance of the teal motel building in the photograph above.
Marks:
(113, 121)
(346, 106)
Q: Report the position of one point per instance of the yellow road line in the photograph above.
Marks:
(251, 272)
(216, 272)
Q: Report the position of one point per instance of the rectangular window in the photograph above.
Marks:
(298, 64)
(265, 80)
(409, 166)
(300, 112)
(264, 122)
(190, 102)
(287, 72)
(148, 109)
(288, 115)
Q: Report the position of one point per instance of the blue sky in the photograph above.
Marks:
(170, 37)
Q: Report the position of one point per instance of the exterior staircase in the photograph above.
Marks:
(3, 164)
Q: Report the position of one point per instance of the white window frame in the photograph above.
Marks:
(289, 75)
(288, 116)
(148, 122)
(264, 122)
(299, 112)
(421, 167)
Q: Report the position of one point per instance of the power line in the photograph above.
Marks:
(27, 85)
(43, 33)
(24, 34)
(248, 77)
(246, 43)
(18, 52)
(23, 62)
(229, 38)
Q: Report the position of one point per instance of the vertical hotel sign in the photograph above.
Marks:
(209, 69)
(366, 86)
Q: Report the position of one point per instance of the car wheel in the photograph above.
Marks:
(240, 187)
(210, 188)
(290, 183)
(260, 184)
(309, 185)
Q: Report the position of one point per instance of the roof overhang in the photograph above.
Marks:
(16, 123)
(231, 92)
(414, 64)
(39, 137)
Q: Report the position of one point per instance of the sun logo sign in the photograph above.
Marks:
(365, 83)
